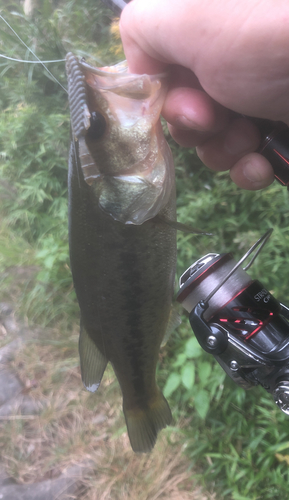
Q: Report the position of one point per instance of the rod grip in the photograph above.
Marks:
(275, 148)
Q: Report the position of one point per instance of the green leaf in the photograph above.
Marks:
(181, 359)
(202, 403)
(193, 348)
(237, 496)
(172, 384)
(188, 375)
(49, 261)
(204, 371)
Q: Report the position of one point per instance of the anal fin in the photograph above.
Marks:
(143, 424)
(92, 361)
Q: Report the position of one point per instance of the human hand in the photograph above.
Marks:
(223, 58)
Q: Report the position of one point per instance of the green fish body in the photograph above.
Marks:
(122, 255)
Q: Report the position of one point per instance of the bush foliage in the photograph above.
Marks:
(240, 439)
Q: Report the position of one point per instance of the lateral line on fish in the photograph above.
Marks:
(33, 53)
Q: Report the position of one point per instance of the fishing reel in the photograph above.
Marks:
(239, 322)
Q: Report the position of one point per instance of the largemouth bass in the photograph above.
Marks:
(123, 256)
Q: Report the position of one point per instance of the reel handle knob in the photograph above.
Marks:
(281, 396)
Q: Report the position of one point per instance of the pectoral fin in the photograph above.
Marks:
(92, 361)
(179, 226)
(173, 323)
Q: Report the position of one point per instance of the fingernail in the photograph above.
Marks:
(186, 123)
(238, 141)
(253, 174)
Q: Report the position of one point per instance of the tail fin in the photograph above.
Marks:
(143, 424)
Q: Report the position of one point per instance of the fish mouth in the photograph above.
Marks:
(117, 70)
(119, 80)
(114, 79)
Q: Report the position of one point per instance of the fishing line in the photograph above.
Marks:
(43, 64)
(31, 62)
(30, 50)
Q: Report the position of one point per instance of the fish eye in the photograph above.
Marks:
(97, 126)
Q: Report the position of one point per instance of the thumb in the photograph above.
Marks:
(141, 57)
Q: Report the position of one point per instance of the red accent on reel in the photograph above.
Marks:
(245, 315)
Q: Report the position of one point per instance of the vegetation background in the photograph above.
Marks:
(236, 442)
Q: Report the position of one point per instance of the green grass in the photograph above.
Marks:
(240, 438)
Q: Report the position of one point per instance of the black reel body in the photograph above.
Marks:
(240, 323)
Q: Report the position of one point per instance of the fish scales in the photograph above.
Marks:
(124, 276)
(125, 293)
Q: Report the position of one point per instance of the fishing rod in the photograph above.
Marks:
(235, 318)
(116, 6)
